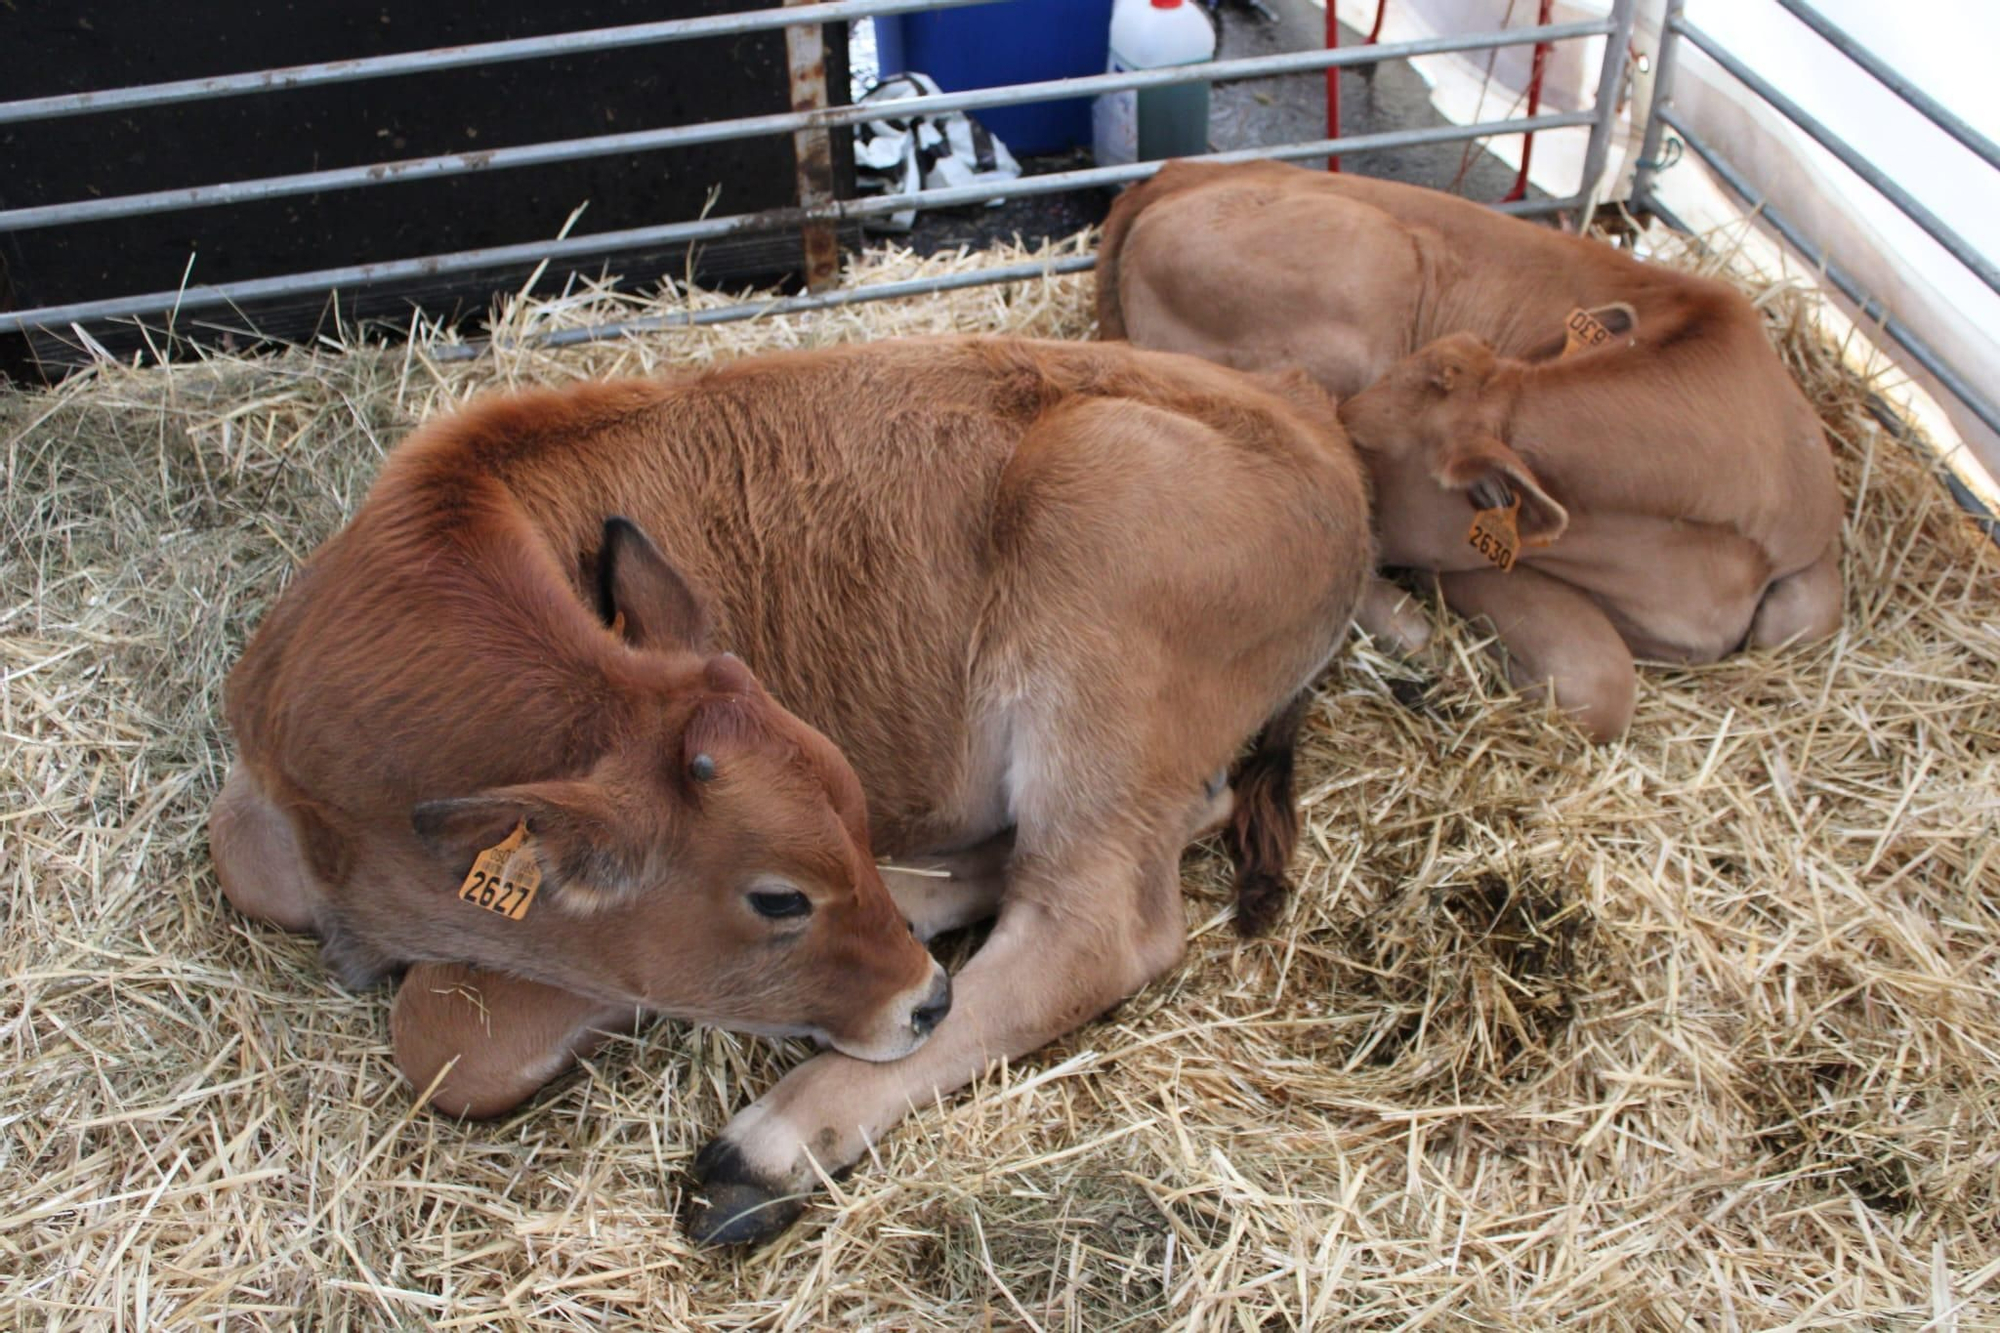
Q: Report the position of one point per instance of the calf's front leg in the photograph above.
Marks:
(1074, 937)
(943, 892)
(1559, 644)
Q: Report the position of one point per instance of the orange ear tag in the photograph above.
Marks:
(1583, 330)
(1496, 534)
(501, 881)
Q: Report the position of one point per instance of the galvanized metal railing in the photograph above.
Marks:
(719, 131)
(454, 57)
(1665, 116)
(812, 213)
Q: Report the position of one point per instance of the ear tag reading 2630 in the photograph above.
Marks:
(499, 886)
(1496, 534)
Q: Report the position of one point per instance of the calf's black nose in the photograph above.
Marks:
(935, 1006)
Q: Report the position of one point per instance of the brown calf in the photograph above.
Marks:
(1039, 595)
(1667, 492)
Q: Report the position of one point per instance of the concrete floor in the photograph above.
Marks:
(1373, 98)
(1250, 113)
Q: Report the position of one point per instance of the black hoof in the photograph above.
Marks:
(732, 1207)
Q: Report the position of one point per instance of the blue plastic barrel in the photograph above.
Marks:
(990, 46)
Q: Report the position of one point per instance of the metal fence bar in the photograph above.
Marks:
(1924, 354)
(455, 57)
(1663, 92)
(1885, 74)
(600, 243)
(1960, 249)
(680, 136)
(1609, 74)
(874, 291)
(1524, 208)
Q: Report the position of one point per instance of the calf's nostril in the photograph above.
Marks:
(935, 1006)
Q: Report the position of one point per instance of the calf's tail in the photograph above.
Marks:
(1265, 825)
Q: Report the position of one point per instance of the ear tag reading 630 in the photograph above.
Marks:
(1496, 534)
(493, 886)
(1584, 330)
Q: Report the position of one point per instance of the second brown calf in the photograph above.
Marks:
(1669, 491)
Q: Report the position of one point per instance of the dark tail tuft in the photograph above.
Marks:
(1265, 826)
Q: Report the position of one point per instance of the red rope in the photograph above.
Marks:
(1520, 190)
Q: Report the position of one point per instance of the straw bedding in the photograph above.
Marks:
(1700, 1028)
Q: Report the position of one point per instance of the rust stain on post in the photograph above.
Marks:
(805, 52)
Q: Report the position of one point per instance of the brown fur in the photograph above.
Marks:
(1037, 594)
(1676, 479)
(435, 677)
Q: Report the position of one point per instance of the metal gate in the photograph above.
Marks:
(1664, 117)
(812, 211)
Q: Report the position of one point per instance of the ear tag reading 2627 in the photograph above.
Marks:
(1496, 534)
(496, 885)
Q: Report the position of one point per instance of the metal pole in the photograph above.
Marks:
(1608, 76)
(1333, 79)
(680, 136)
(1929, 107)
(1663, 95)
(605, 243)
(1870, 308)
(1933, 226)
(454, 57)
(812, 150)
(790, 305)
(874, 291)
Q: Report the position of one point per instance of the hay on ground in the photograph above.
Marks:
(1698, 1029)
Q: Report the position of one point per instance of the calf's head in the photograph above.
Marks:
(714, 863)
(1432, 433)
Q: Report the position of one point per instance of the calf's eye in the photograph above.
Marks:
(779, 904)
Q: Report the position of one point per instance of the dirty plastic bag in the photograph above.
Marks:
(940, 151)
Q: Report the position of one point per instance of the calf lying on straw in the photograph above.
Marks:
(1038, 594)
(1603, 458)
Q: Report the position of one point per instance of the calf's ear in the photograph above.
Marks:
(573, 826)
(1619, 320)
(639, 591)
(1493, 475)
(1619, 317)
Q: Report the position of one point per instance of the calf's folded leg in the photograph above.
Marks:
(1393, 618)
(258, 860)
(1800, 607)
(1076, 934)
(1559, 644)
(510, 1036)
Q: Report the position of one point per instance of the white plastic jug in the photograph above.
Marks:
(1145, 124)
